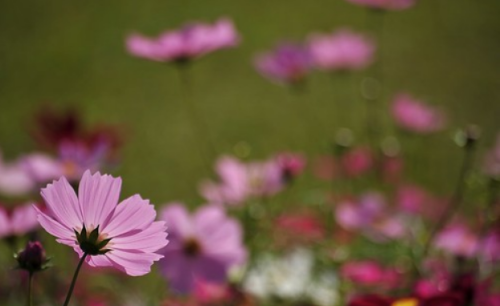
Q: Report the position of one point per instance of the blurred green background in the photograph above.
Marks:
(446, 52)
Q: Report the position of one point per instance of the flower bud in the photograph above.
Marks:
(32, 258)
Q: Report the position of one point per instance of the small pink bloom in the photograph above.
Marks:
(300, 225)
(123, 236)
(288, 63)
(239, 181)
(20, 221)
(14, 179)
(341, 50)
(360, 214)
(412, 199)
(203, 245)
(385, 4)
(489, 248)
(43, 168)
(491, 164)
(416, 116)
(357, 161)
(191, 41)
(291, 165)
(457, 239)
(207, 292)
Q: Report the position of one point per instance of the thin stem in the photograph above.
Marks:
(200, 129)
(455, 200)
(73, 282)
(30, 283)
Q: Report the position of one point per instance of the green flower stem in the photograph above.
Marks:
(30, 283)
(73, 282)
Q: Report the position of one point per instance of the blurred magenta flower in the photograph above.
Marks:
(203, 245)
(342, 50)
(288, 63)
(300, 226)
(457, 239)
(123, 236)
(489, 248)
(240, 181)
(491, 164)
(385, 4)
(371, 300)
(416, 116)
(32, 258)
(292, 165)
(14, 179)
(189, 42)
(211, 293)
(357, 161)
(370, 273)
(17, 222)
(412, 199)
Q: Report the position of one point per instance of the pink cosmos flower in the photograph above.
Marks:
(412, 199)
(489, 248)
(291, 165)
(191, 41)
(14, 180)
(341, 50)
(385, 4)
(457, 239)
(123, 236)
(17, 222)
(240, 181)
(491, 165)
(203, 245)
(288, 63)
(416, 116)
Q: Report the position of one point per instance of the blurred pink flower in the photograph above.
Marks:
(300, 225)
(203, 245)
(288, 63)
(360, 214)
(489, 248)
(240, 181)
(357, 161)
(385, 4)
(437, 281)
(42, 168)
(491, 164)
(341, 50)
(18, 221)
(458, 240)
(291, 165)
(123, 236)
(412, 199)
(191, 41)
(14, 180)
(207, 292)
(416, 116)
(370, 273)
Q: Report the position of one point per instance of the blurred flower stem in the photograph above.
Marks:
(471, 135)
(201, 134)
(73, 281)
(30, 284)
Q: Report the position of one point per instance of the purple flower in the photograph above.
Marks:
(385, 4)
(191, 41)
(288, 63)
(32, 258)
(341, 50)
(20, 221)
(416, 116)
(203, 245)
(123, 236)
(239, 181)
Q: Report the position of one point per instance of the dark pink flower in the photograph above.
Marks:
(203, 245)
(412, 199)
(341, 50)
(191, 41)
(489, 248)
(300, 225)
(291, 165)
(385, 4)
(370, 300)
(370, 273)
(288, 63)
(416, 116)
(124, 236)
(357, 161)
(17, 222)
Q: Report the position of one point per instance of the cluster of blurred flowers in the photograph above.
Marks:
(371, 238)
